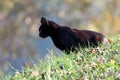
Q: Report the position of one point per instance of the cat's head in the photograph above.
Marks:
(47, 27)
(44, 28)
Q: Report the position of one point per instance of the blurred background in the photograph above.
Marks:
(20, 21)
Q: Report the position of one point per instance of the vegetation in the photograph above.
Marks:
(101, 63)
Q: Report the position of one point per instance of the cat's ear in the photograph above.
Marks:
(44, 21)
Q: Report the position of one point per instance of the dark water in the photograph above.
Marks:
(44, 46)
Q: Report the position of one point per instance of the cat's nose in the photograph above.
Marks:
(40, 31)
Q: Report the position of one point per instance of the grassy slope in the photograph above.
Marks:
(88, 64)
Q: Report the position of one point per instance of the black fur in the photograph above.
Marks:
(66, 38)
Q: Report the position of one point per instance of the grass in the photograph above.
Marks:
(101, 63)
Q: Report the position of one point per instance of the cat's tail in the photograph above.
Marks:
(106, 40)
(103, 40)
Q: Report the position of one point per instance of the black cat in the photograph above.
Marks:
(68, 39)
